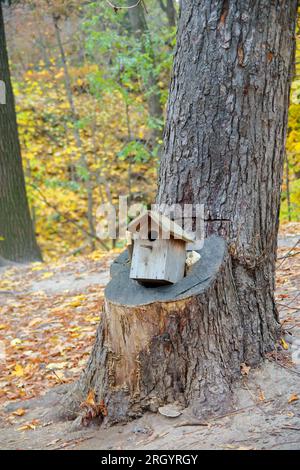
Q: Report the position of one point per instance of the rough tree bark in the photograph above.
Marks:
(225, 137)
(17, 240)
(224, 148)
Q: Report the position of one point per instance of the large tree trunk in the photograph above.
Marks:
(17, 238)
(224, 148)
(225, 137)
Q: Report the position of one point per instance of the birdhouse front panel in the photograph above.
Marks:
(158, 261)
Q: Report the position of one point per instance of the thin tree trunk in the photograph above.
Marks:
(142, 33)
(28, 174)
(287, 183)
(17, 237)
(83, 160)
(224, 148)
(169, 10)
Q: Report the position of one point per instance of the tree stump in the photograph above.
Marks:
(176, 343)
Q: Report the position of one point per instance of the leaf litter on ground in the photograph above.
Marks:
(48, 336)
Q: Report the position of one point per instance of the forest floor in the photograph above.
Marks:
(48, 319)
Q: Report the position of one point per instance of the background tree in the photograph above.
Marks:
(290, 198)
(141, 30)
(169, 8)
(17, 238)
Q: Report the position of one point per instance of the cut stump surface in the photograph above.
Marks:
(124, 291)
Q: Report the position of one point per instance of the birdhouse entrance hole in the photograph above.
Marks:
(152, 236)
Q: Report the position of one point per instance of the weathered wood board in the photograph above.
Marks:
(158, 261)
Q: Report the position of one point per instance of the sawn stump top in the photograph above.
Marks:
(124, 291)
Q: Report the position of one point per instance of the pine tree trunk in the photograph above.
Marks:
(224, 148)
(17, 238)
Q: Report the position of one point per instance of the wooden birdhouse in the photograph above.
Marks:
(159, 249)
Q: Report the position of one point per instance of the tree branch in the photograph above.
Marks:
(67, 219)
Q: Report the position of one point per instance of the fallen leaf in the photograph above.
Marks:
(19, 412)
(293, 397)
(56, 365)
(284, 344)
(18, 371)
(91, 398)
(47, 275)
(35, 321)
(91, 409)
(96, 255)
(76, 301)
(29, 426)
(92, 319)
(283, 296)
(37, 267)
(245, 369)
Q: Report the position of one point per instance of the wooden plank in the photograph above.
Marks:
(149, 259)
(161, 260)
(175, 262)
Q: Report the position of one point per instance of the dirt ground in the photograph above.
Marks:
(266, 405)
(269, 422)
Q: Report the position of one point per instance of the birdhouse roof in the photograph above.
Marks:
(167, 225)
